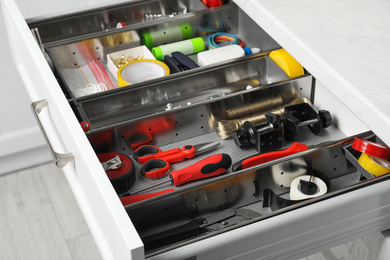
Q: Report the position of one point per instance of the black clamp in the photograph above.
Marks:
(264, 137)
(304, 115)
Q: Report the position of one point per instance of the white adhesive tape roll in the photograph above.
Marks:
(297, 194)
(284, 173)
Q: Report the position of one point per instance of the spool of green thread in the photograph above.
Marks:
(170, 34)
(187, 47)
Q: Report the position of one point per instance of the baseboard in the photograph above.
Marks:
(23, 149)
(25, 159)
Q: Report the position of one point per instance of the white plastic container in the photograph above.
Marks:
(133, 52)
(221, 54)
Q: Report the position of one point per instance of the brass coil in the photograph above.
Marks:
(226, 128)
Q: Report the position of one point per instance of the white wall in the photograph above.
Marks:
(21, 143)
(43, 8)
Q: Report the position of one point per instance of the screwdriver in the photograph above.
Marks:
(266, 157)
(211, 166)
(127, 200)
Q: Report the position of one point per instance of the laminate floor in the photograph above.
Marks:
(40, 219)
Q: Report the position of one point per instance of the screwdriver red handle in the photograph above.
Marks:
(135, 198)
(266, 157)
(209, 167)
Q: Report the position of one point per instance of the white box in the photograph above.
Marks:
(132, 52)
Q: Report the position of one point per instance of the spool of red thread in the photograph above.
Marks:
(212, 3)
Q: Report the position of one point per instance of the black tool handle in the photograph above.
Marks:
(177, 234)
(172, 64)
(184, 60)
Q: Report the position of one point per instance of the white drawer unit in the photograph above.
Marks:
(245, 213)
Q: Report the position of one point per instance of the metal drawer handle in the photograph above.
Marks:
(61, 160)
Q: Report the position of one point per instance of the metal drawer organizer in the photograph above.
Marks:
(182, 109)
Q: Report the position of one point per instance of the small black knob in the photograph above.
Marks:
(308, 187)
(290, 130)
(240, 139)
(272, 118)
(326, 118)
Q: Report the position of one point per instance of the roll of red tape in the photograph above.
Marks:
(371, 148)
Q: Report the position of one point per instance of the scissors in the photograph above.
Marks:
(156, 163)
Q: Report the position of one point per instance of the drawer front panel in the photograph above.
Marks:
(262, 190)
(299, 233)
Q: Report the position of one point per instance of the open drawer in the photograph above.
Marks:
(279, 229)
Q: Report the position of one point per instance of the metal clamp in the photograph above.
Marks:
(113, 163)
(264, 138)
(61, 160)
(228, 218)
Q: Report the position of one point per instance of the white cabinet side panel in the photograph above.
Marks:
(346, 121)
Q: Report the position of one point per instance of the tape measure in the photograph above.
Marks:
(123, 176)
(371, 148)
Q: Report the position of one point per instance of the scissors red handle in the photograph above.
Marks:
(155, 168)
(149, 152)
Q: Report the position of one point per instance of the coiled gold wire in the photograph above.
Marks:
(226, 128)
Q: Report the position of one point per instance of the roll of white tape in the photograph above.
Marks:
(284, 173)
(296, 191)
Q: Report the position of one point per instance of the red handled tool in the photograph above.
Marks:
(266, 157)
(157, 163)
(140, 138)
(209, 167)
(127, 200)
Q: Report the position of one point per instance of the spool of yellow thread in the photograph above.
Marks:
(141, 70)
(287, 63)
(374, 165)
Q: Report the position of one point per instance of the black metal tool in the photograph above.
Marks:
(179, 62)
(303, 114)
(199, 226)
(266, 137)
